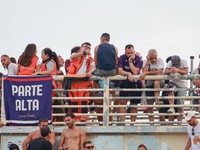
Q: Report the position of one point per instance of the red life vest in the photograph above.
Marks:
(77, 63)
(29, 69)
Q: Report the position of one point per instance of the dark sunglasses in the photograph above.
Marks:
(88, 147)
(44, 120)
(193, 131)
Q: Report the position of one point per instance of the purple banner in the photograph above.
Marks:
(27, 99)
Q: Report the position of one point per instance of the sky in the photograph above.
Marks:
(170, 27)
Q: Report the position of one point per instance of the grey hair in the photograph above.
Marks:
(152, 52)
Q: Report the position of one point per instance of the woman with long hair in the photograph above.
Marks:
(28, 62)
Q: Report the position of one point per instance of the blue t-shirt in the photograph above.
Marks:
(106, 57)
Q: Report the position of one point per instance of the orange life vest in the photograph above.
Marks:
(54, 72)
(43, 68)
(29, 69)
(76, 64)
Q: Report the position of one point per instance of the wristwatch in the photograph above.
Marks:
(129, 61)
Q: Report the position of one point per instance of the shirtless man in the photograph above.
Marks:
(73, 137)
(36, 134)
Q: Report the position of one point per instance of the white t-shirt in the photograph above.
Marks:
(83, 69)
(12, 69)
(184, 64)
(196, 71)
(196, 132)
(153, 67)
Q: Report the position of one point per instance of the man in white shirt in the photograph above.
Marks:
(153, 66)
(81, 64)
(7, 64)
(193, 131)
(177, 66)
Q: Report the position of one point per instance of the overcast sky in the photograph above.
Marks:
(171, 27)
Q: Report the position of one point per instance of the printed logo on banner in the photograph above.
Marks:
(27, 99)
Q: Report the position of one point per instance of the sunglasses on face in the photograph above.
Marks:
(193, 131)
(88, 147)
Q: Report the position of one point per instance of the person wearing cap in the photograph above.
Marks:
(177, 66)
(193, 131)
(153, 65)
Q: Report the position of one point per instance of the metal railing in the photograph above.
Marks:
(106, 99)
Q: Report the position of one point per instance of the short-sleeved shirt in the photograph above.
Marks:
(196, 71)
(83, 68)
(123, 63)
(196, 132)
(184, 64)
(40, 144)
(159, 64)
(12, 69)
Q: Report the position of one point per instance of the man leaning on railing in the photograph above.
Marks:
(177, 66)
(153, 66)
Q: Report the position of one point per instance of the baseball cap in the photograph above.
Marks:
(189, 115)
(175, 61)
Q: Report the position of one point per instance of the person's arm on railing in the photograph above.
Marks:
(175, 70)
(167, 71)
(89, 74)
(188, 145)
(156, 72)
(130, 76)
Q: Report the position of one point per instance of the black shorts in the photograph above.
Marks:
(127, 84)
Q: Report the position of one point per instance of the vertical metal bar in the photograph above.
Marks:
(191, 81)
(106, 102)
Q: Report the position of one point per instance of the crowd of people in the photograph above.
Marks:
(106, 63)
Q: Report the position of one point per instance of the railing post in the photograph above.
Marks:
(106, 102)
(191, 81)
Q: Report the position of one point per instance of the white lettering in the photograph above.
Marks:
(18, 105)
(14, 89)
(29, 104)
(23, 109)
(21, 90)
(35, 104)
(33, 86)
(27, 90)
(39, 89)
